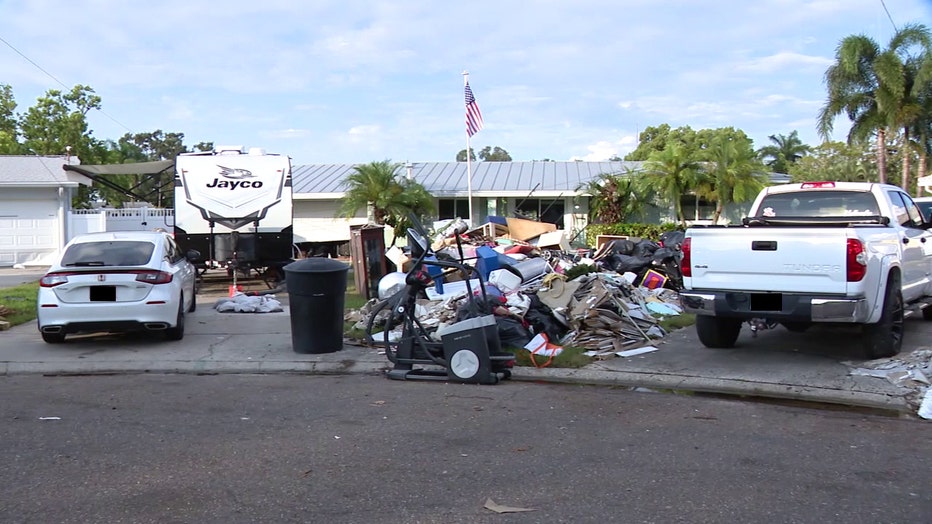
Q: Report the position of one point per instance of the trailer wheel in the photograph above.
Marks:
(717, 332)
(885, 338)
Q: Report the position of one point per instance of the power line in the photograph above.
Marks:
(884, 4)
(50, 75)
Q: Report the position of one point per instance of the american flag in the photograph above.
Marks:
(473, 115)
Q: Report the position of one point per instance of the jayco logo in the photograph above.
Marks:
(235, 177)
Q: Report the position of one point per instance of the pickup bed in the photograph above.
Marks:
(834, 252)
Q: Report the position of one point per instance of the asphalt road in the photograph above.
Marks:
(361, 448)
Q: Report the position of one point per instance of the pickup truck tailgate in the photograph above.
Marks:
(784, 259)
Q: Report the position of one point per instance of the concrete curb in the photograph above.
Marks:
(739, 388)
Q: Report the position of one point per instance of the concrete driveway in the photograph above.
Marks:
(822, 365)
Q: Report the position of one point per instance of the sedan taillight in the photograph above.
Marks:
(154, 277)
(53, 279)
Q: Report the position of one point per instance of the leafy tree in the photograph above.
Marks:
(487, 154)
(837, 161)
(875, 88)
(9, 144)
(655, 139)
(783, 151)
(494, 155)
(387, 196)
(670, 174)
(735, 173)
(461, 156)
(58, 122)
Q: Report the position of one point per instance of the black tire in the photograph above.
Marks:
(717, 332)
(53, 338)
(177, 332)
(797, 327)
(193, 306)
(885, 338)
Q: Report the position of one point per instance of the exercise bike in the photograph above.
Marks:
(469, 350)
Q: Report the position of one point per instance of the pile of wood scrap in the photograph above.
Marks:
(608, 314)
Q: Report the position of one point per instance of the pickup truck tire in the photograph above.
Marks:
(717, 332)
(885, 338)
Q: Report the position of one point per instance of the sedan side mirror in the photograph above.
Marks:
(193, 255)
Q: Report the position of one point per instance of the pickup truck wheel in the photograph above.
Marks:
(716, 332)
(885, 338)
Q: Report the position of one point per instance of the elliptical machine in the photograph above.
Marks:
(468, 351)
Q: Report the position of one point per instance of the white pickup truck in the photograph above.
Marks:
(836, 252)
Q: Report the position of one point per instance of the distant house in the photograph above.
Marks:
(546, 191)
(35, 202)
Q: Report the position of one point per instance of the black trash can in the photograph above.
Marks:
(316, 290)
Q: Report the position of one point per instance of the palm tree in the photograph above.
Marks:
(670, 173)
(901, 83)
(872, 87)
(784, 151)
(613, 198)
(387, 197)
(735, 173)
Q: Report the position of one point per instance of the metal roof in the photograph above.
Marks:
(34, 171)
(450, 178)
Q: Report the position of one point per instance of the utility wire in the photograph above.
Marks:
(884, 4)
(50, 75)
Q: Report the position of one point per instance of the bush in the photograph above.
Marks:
(648, 231)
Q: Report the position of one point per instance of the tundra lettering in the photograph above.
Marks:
(235, 184)
(811, 268)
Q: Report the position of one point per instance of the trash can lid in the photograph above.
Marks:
(316, 265)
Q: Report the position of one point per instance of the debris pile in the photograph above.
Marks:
(605, 300)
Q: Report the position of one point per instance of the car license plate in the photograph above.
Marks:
(103, 293)
(766, 301)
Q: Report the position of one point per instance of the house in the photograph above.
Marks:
(35, 203)
(545, 191)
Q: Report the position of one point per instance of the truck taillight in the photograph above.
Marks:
(856, 261)
(686, 264)
(818, 185)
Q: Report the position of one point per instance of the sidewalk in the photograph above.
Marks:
(777, 364)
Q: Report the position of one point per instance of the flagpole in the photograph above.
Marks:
(468, 160)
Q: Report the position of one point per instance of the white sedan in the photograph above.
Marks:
(118, 281)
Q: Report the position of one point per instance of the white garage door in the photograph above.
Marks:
(28, 231)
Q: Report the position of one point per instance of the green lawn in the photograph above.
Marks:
(22, 301)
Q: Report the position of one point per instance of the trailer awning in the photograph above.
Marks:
(99, 173)
(136, 168)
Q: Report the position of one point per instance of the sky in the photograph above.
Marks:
(359, 81)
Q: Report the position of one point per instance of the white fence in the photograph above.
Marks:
(83, 221)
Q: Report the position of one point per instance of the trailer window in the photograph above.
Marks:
(819, 204)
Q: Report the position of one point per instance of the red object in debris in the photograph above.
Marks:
(519, 248)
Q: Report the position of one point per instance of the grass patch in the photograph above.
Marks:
(570, 357)
(22, 302)
(675, 322)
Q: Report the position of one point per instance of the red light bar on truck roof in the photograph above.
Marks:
(818, 185)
